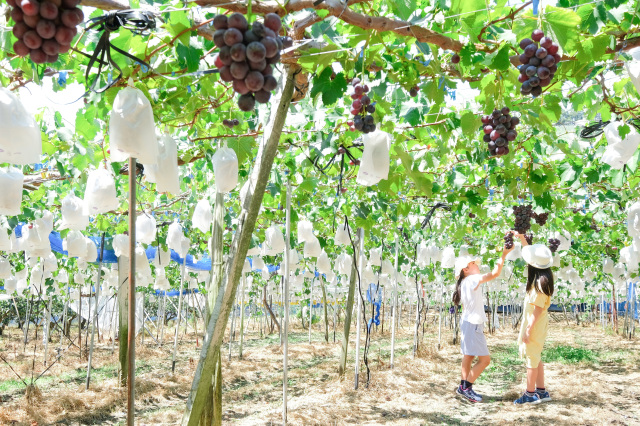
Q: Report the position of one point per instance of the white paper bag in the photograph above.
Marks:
(305, 231)
(5, 269)
(374, 165)
(342, 235)
(165, 173)
(203, 216)
(121, 245)
(100, 193)
(75, 244)
(11, 181)
(5, 240)
(274, 241)
(312, 248)
(145, 228)
(448, 258)
(174, 236)
(73, 216)
(132, 131)
(322, 264)
(619, 151)
(225, 169)
(633, 67)
(20, 138)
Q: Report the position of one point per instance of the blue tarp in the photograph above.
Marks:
(109, 256)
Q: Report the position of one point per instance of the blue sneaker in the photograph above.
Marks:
(526, 399)
(543, 395)
(468, 394)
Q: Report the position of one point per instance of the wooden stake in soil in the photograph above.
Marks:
(358, 323)
(175, 339)
(285, 295)
(131, 335)
(95, 314)
(244, 283)
(394, 303)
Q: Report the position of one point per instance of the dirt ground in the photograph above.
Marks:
(592, 376)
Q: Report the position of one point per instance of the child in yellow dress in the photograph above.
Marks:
(535, 319)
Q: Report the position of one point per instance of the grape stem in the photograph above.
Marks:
(511, 15)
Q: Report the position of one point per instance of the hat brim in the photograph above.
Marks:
(527, 255)
(475, 260)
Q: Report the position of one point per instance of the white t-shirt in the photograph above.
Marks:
(472, 304)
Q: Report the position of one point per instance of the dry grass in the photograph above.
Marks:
(418, 390)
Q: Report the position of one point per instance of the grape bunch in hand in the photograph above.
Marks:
(539, 61)
(248, 54)
(44, 29)
(508, 241)
(499, 129)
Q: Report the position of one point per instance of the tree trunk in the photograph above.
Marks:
(233, 268)
(212, 413)
(274, 320)
(123, 317)
(347, 313)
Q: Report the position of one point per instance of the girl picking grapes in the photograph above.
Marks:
(535, 320)
(473, 343)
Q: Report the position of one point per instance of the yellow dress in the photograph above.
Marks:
(532, 351)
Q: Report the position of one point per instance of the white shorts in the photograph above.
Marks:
(473, 341)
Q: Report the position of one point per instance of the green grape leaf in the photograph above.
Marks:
(331, 90)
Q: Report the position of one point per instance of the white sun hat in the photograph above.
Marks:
(464, 261)
(538, 255)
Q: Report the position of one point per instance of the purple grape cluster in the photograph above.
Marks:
(554, 243)
(508, 240)
(541, 219)
(523, 214)
(361, 108)
(499, 129)
(231, 123)
(528, 238)
(247, 55)
(44, 29)
(539, 63)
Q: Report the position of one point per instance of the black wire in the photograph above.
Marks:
(364, 311)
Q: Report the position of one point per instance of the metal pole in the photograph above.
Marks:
(285, 325)
(233, 325)
(394, 302)
(311, 308)
(47, 331)
(244, 282)
(143, 321)
(131, 336)
(175, 339)
(360, 266)
(164, 313)
(95, 314)
(440, 316)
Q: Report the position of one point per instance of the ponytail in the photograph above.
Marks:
(456, 293)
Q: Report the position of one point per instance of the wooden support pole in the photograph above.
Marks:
(131, 336)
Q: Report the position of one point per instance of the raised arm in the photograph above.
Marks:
(498, 269)
(523, 240)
